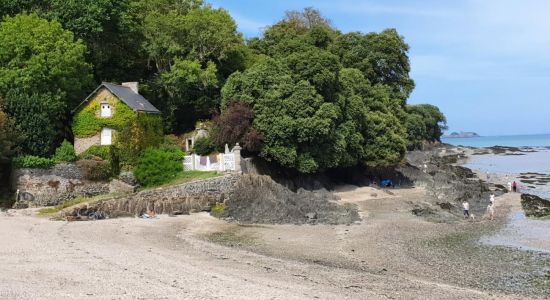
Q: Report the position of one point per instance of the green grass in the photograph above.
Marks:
(46, 211)
(186, 176)
(54, 209)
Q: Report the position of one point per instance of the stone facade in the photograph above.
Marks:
(44, 187)
(82, 144)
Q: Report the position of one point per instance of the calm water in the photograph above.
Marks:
(537, 140)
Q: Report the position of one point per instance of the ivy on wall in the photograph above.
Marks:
(87, 122)
(134, 131)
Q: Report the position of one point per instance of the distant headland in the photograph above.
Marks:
(461, 135)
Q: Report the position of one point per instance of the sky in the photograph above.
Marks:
(485, 63)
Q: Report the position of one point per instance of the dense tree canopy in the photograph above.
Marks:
(303, 95)
(9, 138)
(40, 56)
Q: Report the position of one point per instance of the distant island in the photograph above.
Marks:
(455, 135)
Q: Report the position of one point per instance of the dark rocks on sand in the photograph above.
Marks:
(535, 206)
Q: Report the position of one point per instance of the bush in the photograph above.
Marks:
(65, 153)
(158, 166)
(31, 161)
(95, 152)
(204, 146)
(95, 170)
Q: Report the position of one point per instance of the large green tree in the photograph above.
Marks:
(111, 29)
(39, 56)
(193, 48)
(42, 73)
(9, 138)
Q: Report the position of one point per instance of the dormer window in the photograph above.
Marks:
(105, 110)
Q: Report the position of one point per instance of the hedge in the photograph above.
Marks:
(34, 162)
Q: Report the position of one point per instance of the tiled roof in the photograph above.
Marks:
(134, 100)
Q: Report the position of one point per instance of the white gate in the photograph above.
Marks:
(228, 162)
(188, 163)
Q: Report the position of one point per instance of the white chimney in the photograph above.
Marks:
(132, 85)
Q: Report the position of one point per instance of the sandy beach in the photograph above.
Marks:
(391, 254)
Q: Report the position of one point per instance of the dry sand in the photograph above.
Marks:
(391, 254)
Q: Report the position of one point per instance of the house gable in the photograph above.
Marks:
(126, 94)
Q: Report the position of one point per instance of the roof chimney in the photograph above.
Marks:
(132, 85)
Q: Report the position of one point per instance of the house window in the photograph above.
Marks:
(106, 136)
(105, 110)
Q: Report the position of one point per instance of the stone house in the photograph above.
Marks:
(108, 106)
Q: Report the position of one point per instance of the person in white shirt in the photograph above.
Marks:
(491, 210)
(509, 186)
(492, 198)
(466, 207)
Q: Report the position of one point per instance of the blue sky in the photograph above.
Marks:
(485, 63)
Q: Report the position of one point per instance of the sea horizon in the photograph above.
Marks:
(516, 140)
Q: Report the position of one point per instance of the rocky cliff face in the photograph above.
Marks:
(245, 198)
(535, 206)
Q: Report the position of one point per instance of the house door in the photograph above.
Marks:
(106, 136)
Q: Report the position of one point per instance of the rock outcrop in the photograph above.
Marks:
(246, 198)
(535, 206)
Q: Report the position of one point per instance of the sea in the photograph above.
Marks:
(533, 158)
(530, 140)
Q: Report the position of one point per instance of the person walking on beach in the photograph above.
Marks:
(491, 211)
(514, 186)
(466, 207)
(509, 186)
(492, 199)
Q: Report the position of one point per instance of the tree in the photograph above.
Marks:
(9, 138)
(13, 7)
(39, 56)
(40, 118)
(110, 29)
(382, 57)
(190, 93)
(235, 125)
(296, 125)
(189, 32)
(434, 120)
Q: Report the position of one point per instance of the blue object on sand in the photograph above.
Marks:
(386, 183)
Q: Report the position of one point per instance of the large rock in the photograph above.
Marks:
(535, 206)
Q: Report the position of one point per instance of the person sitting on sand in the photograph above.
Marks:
(491, 211)
(466, 207)
(150, 214)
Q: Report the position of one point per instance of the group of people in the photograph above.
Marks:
(512, 187)
(490, 208)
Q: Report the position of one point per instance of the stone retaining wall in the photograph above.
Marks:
(45, 187)
(178, 199)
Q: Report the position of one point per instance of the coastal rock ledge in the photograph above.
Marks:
(535, 206)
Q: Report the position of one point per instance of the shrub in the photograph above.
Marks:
(31, 161)
(218, 210)
(65, 153)
(158, 166)
(95, 152)
(204, 146)
(95, 170)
